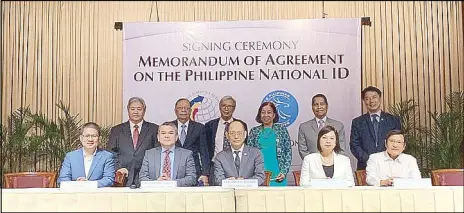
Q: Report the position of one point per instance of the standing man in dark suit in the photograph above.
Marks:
(216, 131)
(129, 141)
(192, 137)
(369, 131)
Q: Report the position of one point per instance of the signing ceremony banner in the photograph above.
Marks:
(283, 61)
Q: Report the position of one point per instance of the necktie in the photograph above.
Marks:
(375, 123)
(135, 136)
(167, 164)
(237, 161)
(321, 124)
(183, 134)
(226, 143)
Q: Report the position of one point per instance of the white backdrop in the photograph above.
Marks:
(285, 61)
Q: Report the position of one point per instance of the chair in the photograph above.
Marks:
(119, 179)
(296, 175)
(361, 178)
(267, 178)
(30, 180)
(448, 177)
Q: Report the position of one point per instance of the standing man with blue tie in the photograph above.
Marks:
(192, 136)
(129, 141)
(216, 129)
(368, 131)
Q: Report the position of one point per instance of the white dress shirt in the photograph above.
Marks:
(239, 154)
(312, 168)
(132, 127)
(378, 115)
(219, 140)
(88, 162)
(179, 127)
(381, 166)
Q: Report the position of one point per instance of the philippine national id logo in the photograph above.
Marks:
(204, 106)
(286, 104)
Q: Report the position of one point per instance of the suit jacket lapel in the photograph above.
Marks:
(177, 156)
(320, 168)
(230, 161)
(314, 125)
(243, 161)
(157, 165)
(369, 125)
(81, 163)
(127, 133)
(214, 130)
(190, 129)
(95, 160)
(143, 134)
(338, 169)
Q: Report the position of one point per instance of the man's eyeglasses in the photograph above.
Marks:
(396, 142)
(233, 134)
(227, 106)
(90, 136)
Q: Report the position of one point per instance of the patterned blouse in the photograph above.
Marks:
(284, 149)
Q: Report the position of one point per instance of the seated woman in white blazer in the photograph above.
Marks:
(327, 163)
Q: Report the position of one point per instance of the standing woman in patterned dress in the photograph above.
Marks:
(274, 142)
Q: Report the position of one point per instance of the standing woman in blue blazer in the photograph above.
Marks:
(274, 142)
(88, 163)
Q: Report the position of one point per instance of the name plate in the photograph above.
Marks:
(245, 183)
(156, 184)
(412, 183)
(329, 183)
(79, 185)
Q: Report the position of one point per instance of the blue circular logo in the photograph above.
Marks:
(286, 104)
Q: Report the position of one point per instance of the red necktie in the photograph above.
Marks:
(135, 136)
(167, 164)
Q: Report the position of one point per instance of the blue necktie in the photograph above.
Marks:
(183, 134)
(375, 123)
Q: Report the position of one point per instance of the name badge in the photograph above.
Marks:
(328, 183)
(412, 183)
(155, 184)
(245, 183)
(79, 185)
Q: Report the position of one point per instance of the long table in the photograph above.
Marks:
(355, 199)
(216, 199)
(194, 199)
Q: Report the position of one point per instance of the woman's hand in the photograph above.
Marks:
(280, 177)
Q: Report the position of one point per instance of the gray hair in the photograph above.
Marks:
(171, 124)
(136, 99)
(226, 98)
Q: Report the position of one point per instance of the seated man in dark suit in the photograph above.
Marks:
(168, 162)
(241, 161)
(192, 137)
(369, 131)
(216, 131)
(129, 141)
(88, 163)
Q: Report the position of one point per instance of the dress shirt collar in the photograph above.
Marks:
(324, 119)
(388, 158)
(138, 124)
(222, 121)
(241, 149)
(377, 113)
(179, 124)
(170, 149)
(94, 153)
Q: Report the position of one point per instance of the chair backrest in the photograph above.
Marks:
(448, 177)
(361, 178)
(267, 178)
(30, 180)
(296, 175)
(119, 179)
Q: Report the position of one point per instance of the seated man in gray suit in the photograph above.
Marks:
(307, 134)
(168, 162)
(241, 161)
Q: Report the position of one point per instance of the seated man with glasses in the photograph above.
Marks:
(384, 166)
(88, 163)
(241, 161)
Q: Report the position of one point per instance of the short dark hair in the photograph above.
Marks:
(182, 99)
(319, 96)
(325, 130)
(168, 123)
(394, 132)
(272, 105)
(370, 89)
(91, 125)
